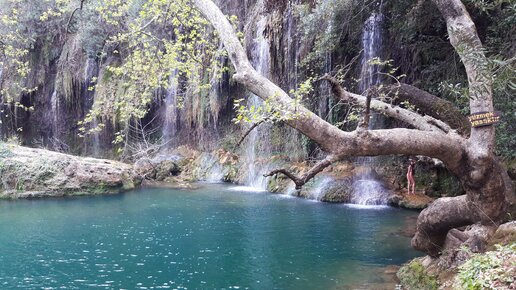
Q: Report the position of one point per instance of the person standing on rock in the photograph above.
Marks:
(410, 176)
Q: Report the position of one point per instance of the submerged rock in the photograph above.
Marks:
(27, 172)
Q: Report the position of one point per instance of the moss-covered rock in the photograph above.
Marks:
(504, 235)
(414, 276)
(27, 172)
(338, 191)
(145, 168)
(166, 169)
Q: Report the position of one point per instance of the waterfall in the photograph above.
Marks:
(372, 44)
(91, 71)
(1, 104)
(54, 102)
(325, 94)
(367, 188)
(95, 138)
(259, 136)
(169, 128)
(292, 49)
(325, 97)
(291, 43)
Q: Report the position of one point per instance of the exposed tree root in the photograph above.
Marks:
(435, 221)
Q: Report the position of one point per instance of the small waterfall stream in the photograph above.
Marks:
(1, 105)
(54, 103)
(169, 128)
(91, 71)
(325, 94)
(367, 189)
(372, 43)
(256, 146)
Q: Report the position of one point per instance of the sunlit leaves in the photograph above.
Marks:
(270, 110)
(56, 9)
(161, 43)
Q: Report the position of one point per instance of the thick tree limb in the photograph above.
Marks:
(431, 105)
(425, 123)
(303, 179)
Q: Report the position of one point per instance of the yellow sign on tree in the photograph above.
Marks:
(484, 119)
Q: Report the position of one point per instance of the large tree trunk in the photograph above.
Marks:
(489, 193)
(490, 198)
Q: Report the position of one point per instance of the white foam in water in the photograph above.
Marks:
(366, 206)
(211, 182)
(246, 189)
(282, 196)
(319, 191)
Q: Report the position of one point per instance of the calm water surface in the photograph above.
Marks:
(208, 238)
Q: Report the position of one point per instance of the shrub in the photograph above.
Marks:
(491, 270)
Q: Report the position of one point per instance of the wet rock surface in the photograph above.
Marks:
(145, 168)
(410, 201)
(182, 165)
(338, 191)
(336, 184)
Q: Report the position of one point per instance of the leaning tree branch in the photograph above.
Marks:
(429, 104)
(424, 123)
(254, 126)
(486, 182)
(73, 13)
(303, 179)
